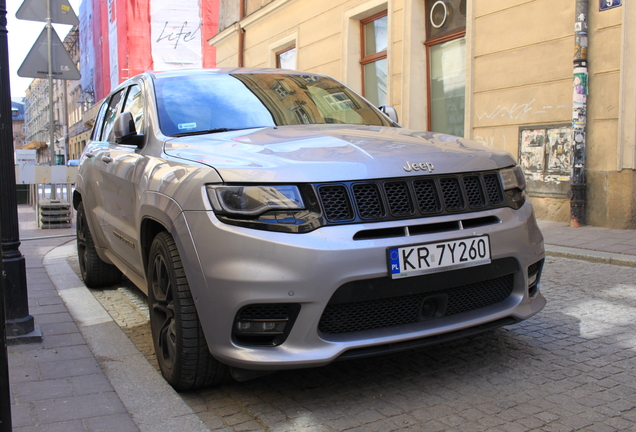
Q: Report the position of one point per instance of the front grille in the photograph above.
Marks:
(411, 197)
(395, 311)
(368, 199)
(336, 203)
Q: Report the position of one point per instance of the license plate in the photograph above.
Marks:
(427, 258)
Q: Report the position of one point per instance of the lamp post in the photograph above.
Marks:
(18, 321)
(6, 142)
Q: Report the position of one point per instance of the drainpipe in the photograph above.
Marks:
(241, 36)
(579, 117)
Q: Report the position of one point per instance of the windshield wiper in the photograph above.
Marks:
(215, 130)
(203, 132)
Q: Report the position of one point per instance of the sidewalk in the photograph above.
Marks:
(603, 245)
(86, 375)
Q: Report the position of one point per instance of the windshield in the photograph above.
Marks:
(209, 102)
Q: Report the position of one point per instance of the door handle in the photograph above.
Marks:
(107, 159)
(89, 155)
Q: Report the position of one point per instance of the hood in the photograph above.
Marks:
(326, 153)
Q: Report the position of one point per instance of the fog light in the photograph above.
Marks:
(264, 324)
(242, 326)
(260, 327)
(532, 279)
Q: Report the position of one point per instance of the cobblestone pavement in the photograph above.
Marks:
(570, 368)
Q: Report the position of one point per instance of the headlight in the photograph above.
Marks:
(253, 200)
(513, 178)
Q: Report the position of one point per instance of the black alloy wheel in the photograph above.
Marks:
(180, 345)
(95, 272)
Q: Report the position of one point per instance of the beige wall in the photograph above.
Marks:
(522, 76)
(519, 74)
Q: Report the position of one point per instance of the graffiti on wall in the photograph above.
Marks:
(517, 111)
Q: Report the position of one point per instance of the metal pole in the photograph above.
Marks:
(5, 390)
(18, 320)
(49, 44)
(579, 117)
(65, 131)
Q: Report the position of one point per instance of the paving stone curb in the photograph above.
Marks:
(152, 403)
(591, 255)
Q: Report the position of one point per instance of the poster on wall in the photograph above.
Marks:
(176, 34)
(545, 154)
(559, 151)
(531, 152)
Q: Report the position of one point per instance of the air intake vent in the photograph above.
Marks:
(411, 197)
(336, 203)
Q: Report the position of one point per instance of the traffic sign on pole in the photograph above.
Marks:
(35, 65)
(35, 10)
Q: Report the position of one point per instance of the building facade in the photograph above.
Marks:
(70, 103)
(501, 73)
(115, 40)
(36, 118)
(122, 38)
(17, 122)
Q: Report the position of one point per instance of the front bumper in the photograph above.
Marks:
(230, 267)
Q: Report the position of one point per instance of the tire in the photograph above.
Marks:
(95, 272)
(180, 346)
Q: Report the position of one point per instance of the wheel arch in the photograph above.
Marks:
(150, 228)
(77, 198)
(158, 213)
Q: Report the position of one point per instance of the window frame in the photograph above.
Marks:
(371, 58)
(288, 48)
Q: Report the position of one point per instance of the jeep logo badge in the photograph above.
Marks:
(423, 166)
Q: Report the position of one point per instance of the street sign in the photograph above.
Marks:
(35, 10)
(36, 63)
(608, 4)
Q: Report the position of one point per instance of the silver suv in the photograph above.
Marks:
(277, 220)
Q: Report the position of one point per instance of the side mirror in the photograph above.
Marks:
(390, 112)
(125, 131)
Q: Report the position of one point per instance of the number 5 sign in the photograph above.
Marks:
(609, 4)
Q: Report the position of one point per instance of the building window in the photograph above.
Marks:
(280, 89)
(446, 58)
(339, 101)
(447, 89)
(286, 59)
(301, 115)
(374, 57)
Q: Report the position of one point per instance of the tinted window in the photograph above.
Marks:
(113, 109)
(134, 105)
(99, 122)
(190, 104)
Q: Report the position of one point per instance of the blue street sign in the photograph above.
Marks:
(609, 4)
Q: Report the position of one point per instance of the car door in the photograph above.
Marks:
(92, 177)
(120, 186)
